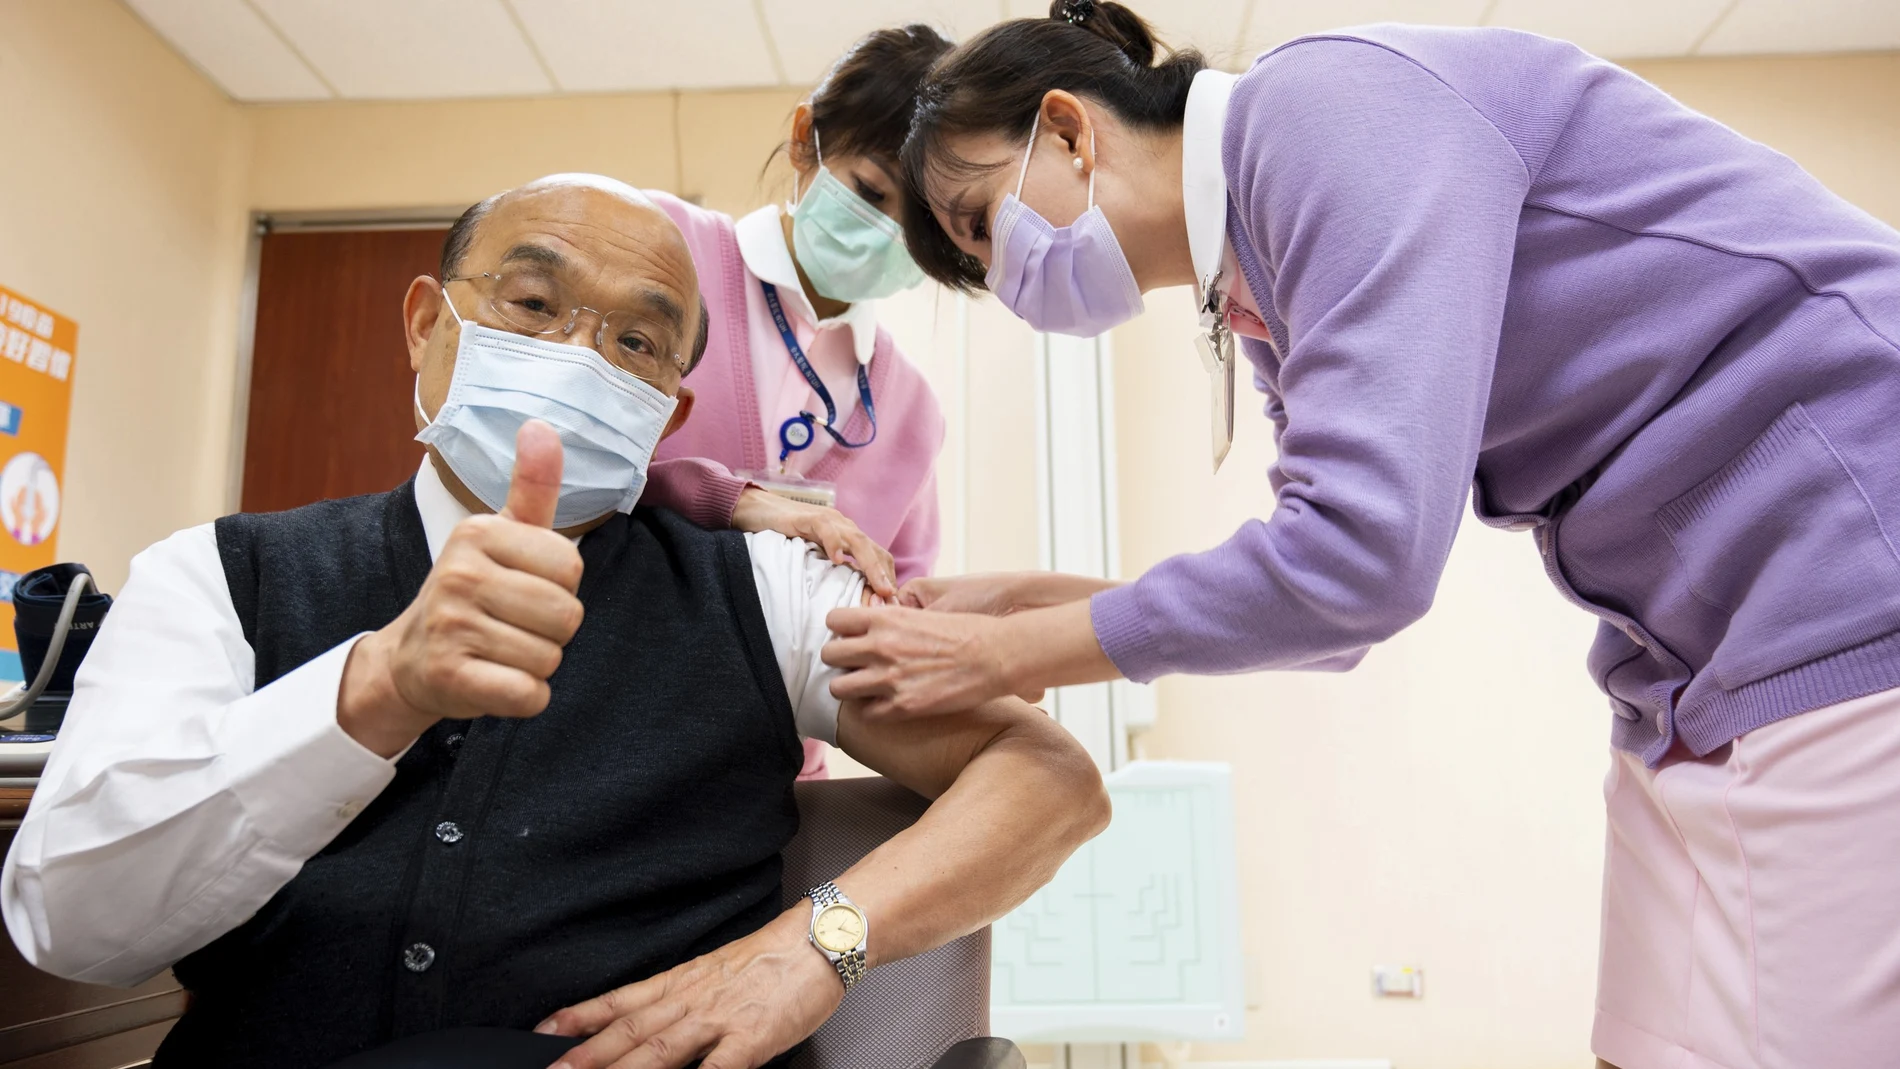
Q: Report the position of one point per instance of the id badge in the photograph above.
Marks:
(1217, 355)
(791, 487)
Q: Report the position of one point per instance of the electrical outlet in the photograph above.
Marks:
(1398, 981)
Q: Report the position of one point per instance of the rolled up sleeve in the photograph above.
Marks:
(798, 588)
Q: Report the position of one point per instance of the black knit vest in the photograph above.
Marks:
(513, 867)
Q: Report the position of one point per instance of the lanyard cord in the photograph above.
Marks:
(817, 384)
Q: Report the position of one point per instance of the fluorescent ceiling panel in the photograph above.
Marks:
(411, 49)
(1619, 29)
(237, 49)
(1757, 26)
(607, 45)
(1275, 21)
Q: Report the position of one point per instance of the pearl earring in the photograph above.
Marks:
(1078, 163)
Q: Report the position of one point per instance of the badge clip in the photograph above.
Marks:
(1216, 345)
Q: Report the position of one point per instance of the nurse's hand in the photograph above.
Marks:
(914, 663)
(989, 593)
(827, 528)
(999, 593)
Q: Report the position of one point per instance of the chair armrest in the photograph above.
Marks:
(985, 1053)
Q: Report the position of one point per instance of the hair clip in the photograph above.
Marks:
(1078, 11)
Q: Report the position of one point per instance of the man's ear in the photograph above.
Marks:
(421, 310)
(1065, 114)
(681, 410)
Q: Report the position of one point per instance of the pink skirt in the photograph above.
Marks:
(1751, 900)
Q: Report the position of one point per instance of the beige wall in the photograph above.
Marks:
(1441, 805)
(708, 146)
(121, 205)
(1838, 115)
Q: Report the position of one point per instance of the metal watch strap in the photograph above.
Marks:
(850, 964)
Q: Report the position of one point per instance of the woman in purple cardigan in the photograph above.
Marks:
(1483, 262)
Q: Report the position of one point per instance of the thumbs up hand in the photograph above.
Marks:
(489, 626)
(536, 487)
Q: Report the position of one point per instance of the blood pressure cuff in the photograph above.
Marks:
(37, 599)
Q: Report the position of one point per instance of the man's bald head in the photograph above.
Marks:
(462, 234)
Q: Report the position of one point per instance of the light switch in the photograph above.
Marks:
(1398, 981)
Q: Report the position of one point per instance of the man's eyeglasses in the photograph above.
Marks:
(536, 304)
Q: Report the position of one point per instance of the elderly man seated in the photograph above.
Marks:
(490, 747)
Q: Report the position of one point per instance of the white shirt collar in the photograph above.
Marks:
(439, 508)
(1203, 177)
(762, 246)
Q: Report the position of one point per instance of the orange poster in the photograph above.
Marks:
(36, 393)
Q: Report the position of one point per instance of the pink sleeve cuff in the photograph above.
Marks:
(701, 490)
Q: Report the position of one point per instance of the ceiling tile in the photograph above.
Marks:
(606, 45)
(1807, 26)
(1277, 21)
(237, 49)
(812, 34)
(1213, 26)
(1618, 29)
(411, 49)
(418, 49)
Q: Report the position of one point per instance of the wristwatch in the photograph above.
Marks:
(840, 932)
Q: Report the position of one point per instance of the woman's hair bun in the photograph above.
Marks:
(1112, 22)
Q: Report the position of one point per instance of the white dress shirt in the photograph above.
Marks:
(836, 347)
(178, 799)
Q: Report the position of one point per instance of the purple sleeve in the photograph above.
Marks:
(1385, 208)
(701, 490)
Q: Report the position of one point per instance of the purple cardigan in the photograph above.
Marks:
(1499, 264)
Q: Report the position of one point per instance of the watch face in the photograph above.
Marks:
(838, 929)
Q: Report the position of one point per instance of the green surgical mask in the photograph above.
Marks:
(851, 251)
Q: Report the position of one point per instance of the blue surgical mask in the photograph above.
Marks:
(609, 420)
(851, 251)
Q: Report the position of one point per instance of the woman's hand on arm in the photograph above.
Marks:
(999, 593)
(908, 662)
(842, 540)
(705, 492)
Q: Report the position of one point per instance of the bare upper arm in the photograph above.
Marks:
(926, 754)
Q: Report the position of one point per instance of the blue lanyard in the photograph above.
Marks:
(794, 438)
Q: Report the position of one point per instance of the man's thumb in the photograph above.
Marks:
(536, 486)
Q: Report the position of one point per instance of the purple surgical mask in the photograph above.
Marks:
(1060, 280)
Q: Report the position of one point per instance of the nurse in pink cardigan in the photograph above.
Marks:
(800, 388)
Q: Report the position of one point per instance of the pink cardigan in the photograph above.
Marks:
(889, 487)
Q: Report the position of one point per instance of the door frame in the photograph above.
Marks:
(266, 222)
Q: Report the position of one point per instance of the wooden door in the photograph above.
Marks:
(331, 411)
